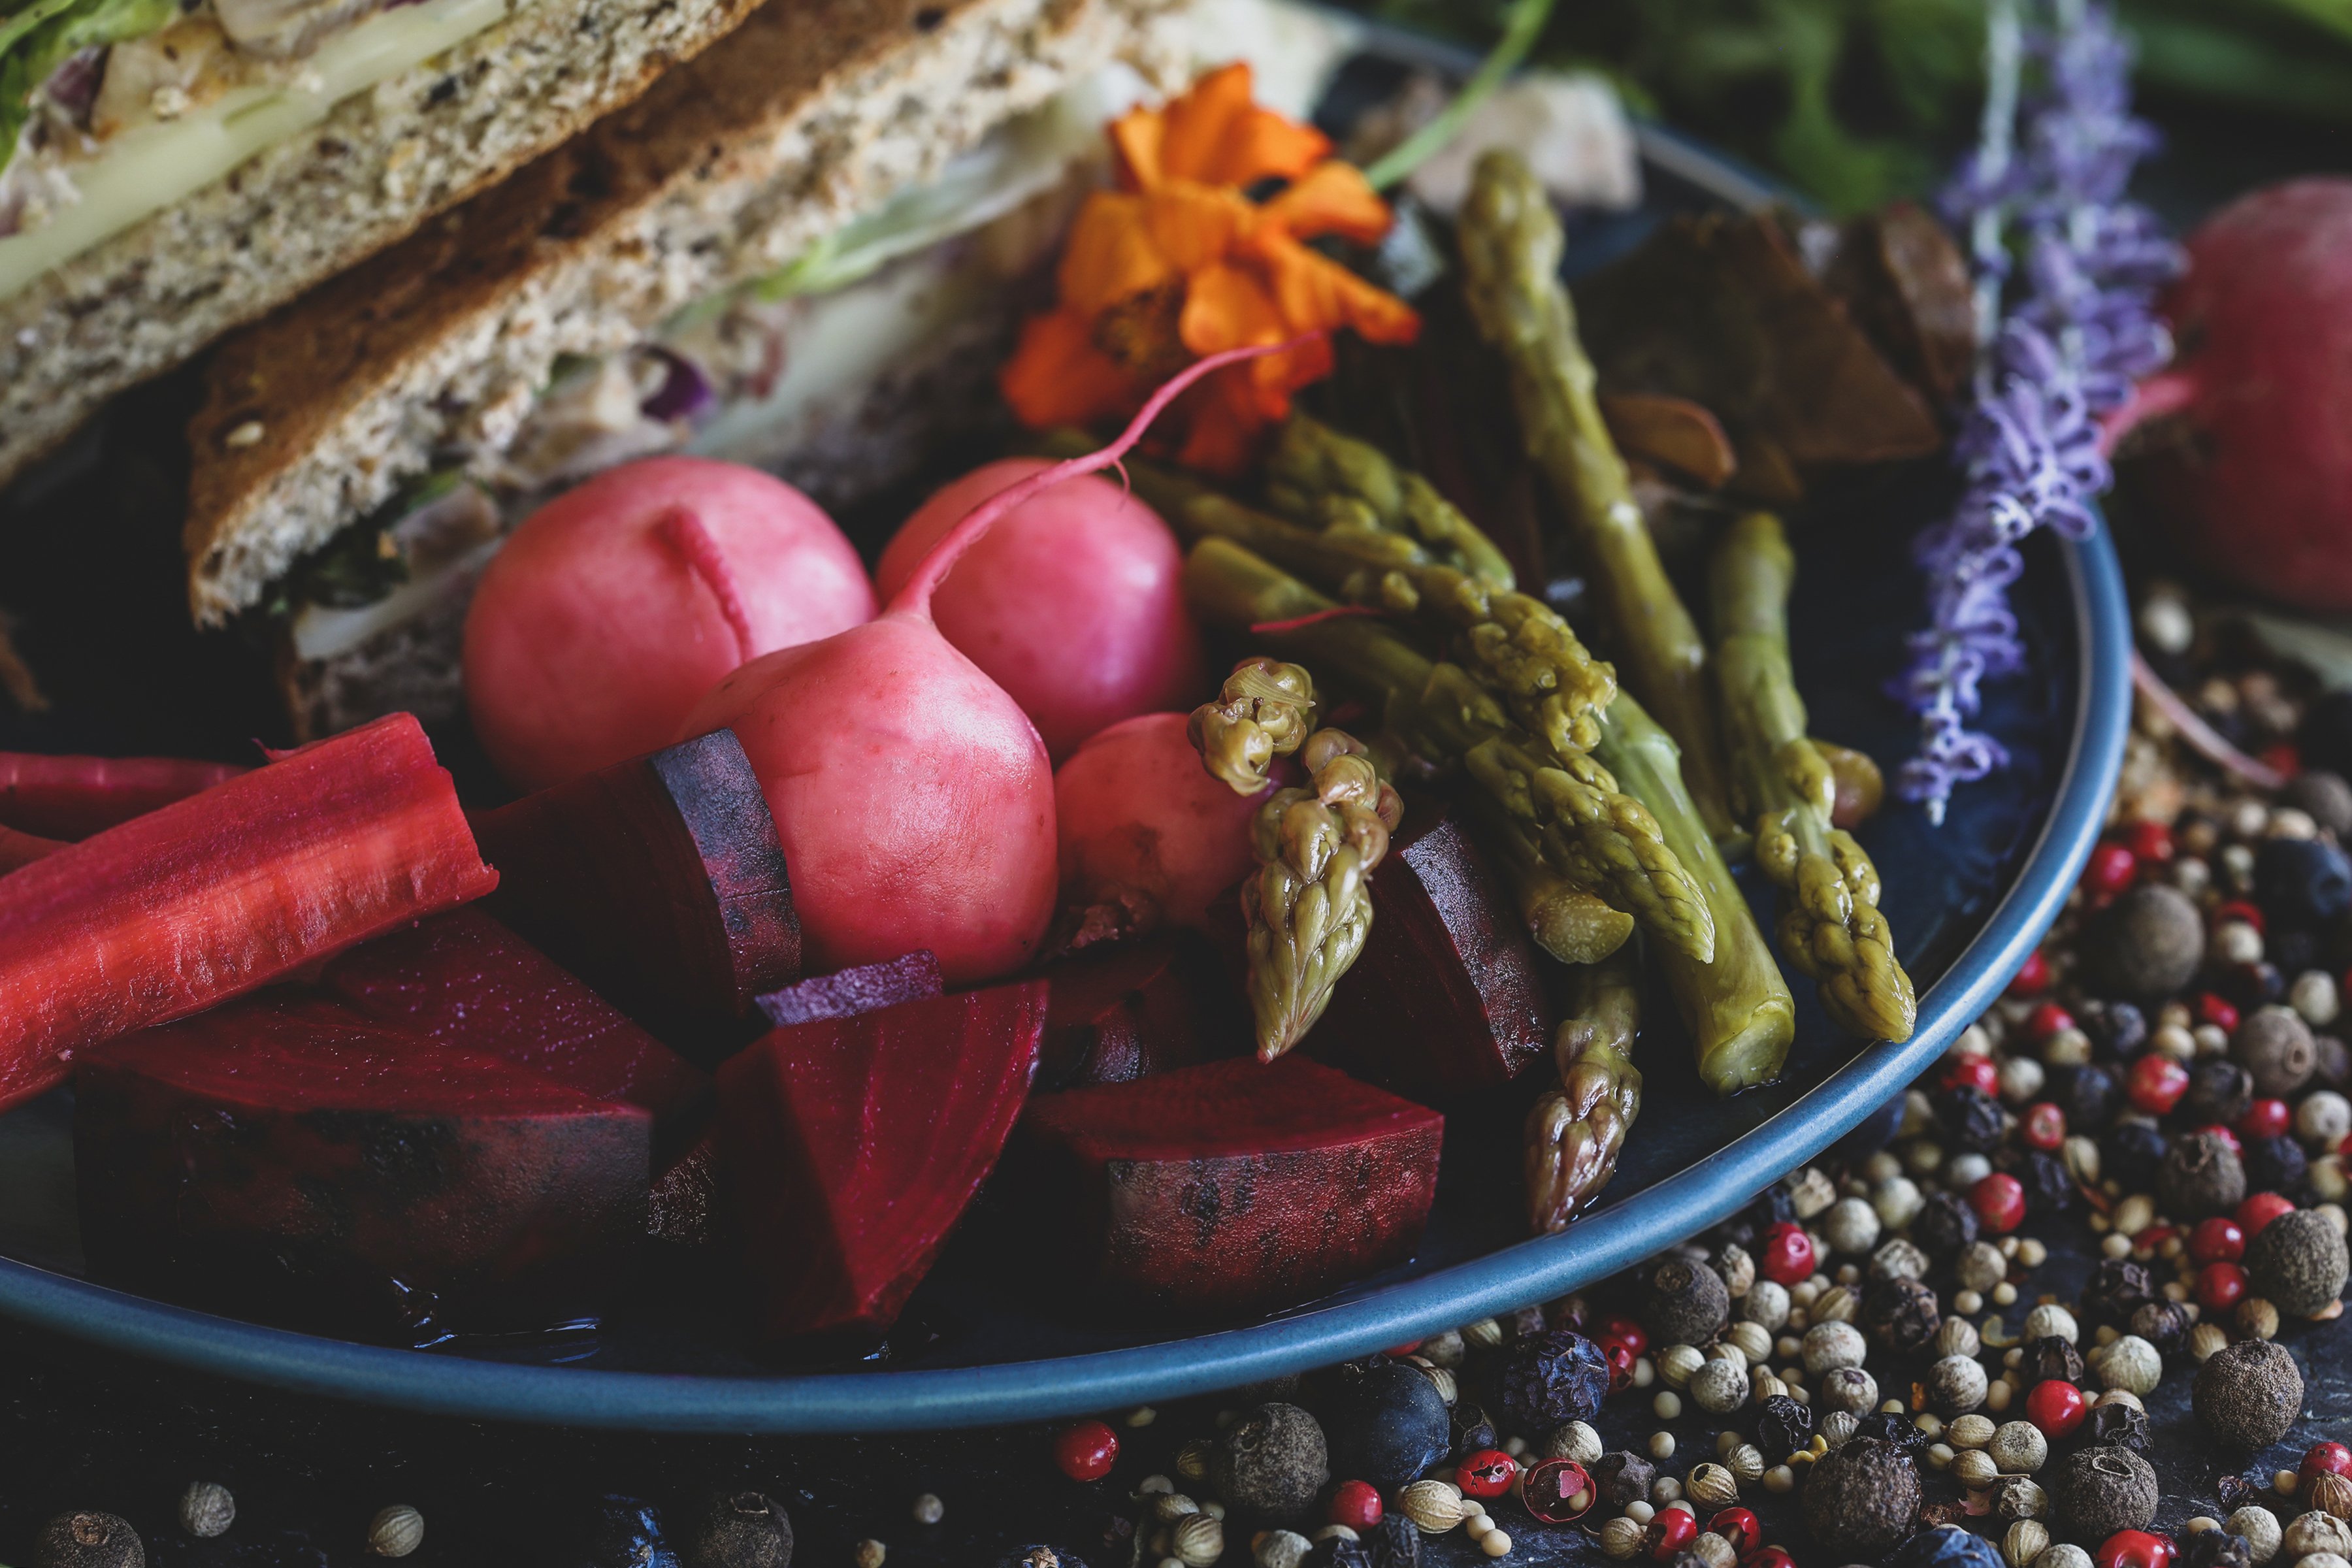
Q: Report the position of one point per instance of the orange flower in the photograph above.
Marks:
(1179, 263)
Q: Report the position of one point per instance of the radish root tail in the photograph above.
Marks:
(684, 533)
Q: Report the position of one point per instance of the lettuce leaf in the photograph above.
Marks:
(39, 36)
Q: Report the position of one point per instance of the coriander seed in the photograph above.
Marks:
(206, 1509)
(395, 1532)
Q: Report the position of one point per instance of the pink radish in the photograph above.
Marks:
(2245, 442)
(616, 606)
(1072, 603)
(912, 794)
(1148, 837)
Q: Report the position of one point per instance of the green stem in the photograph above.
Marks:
(1526, 24)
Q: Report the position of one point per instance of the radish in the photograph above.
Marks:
(2246, 446)
(1072, 603)
(913, 796)
(1148, 837)
(614, 606)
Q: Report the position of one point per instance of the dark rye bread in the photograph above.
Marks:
(815, 111)
(380, 163)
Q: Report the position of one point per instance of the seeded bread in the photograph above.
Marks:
(379, 165)
(729, 168)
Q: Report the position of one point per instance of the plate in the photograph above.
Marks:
(989, 1338)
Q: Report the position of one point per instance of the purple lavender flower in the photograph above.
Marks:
(2067, 274)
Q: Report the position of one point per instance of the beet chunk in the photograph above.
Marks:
(861, 988)
(1448, 996)
(288, 1160)
(1133, 1009)
(852, 1146)
(1234, 1186)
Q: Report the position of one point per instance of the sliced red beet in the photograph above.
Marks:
(1447, 996)
(689, 1203)
(218, 894)
(1233, 1188)
(659, 880)
(853, 1144)
(18, 850)
(465, 980)
(1128, 1010)
(73, 797)
(286, 1159)
(863, 988)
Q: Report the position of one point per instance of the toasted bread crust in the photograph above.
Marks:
(380, 163)
(727, 169)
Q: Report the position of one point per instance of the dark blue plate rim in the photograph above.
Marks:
(1600, 1245)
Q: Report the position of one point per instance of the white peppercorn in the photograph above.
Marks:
(1899, 1260)
(1445, 1349)
(2315, 1531)
(2324, 1560)
(1283, 1549)
(206, 1509)
(1713, 1550)
(2026, 1540)
(1838, 1427)
(1850, 1225)
(1574, 1440)
(2259, 1526)
(1957, 1336)
(2323, 1118)
(1897, 1199)
(1981, 1267)
(1719, 1387)
(2080, 1155)
(2020, 1497)
(1965, 1170)
(2052, 1320)
(2017, 1448)
(869, 1553)
(2132, 1364)
(2068, 1048)
(1766, 1305)
(2063, 1554)
(1849, 1388)
(2021, 1078)
(1956, 1385)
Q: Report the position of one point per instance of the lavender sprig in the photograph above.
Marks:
(2067, 273)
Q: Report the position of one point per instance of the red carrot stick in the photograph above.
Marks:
(223, 892)
(73, 797)
(23, 848)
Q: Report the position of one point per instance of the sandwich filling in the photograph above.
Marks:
(113, 110)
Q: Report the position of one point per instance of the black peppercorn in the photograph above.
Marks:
(1557, 1376)
(2052, 1359)
(1040, 1556)
(2116, 1029)
(1861, 1498)
(1944, 1542)
(2301, 881)
(2116, 1289)
(2100, 1489)
(1970, 1120)
(2125, 1426)
(1684, 1303)
(1624, 1478)
(2132, 1150)
(1386, 1424)
(2331, 1063)
(2049, 1190)
(1393, 1542)
(1782, 1427)
(89, 1540)
(2089, 1095)
(1271, 1464)
(2297, 1263)
(2295, 949)
(2275, 1047)
(2248, 1394)
(1472, 1430)
(2215, 1549)
(2236, 1491)
(2247, 986)
(2164, 1324)
(1891, 1428)
(1944, 1226)
(2275, 1164)
(2201, 1175)
(2219, 1091)
(1337, 1552)
(1774, 1206)
(1902, 1315)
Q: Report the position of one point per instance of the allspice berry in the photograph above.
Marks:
(2102, 1488)
(89, 1540)
(2277, 1046)
(1272, 1463)
(2297, 1263)
(2148, 945)
(1860, 1499)
(741, 1529)
(1684, 1303)
(2200, 1176)
(2249, 1393)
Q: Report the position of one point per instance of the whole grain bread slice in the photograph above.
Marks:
(731, 167)
(379, 165)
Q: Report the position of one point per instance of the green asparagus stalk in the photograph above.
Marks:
(1572, 925)
(1574, 1131)
(1560, 813)
(1737, 1007)
(1830, 927)
(1510, 252)
(1264, 710)
(1309, 904)
(1319, 476)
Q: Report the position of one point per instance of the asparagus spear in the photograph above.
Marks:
(1510, 253)
(1572, 925)
(1830, 927)
(1736, 1005)
(1575, 1130)
(1319, 476)
(1563, 814)
(1309, 904)
(1264, 711)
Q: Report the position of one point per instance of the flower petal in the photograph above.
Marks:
(1330, 198)
(1113, 253)
(1058, 376)
(1217, 135)
(1313, 292)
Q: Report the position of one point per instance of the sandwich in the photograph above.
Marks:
(171, 169)
(808, 250)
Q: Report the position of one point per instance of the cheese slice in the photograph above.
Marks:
(148, 168)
